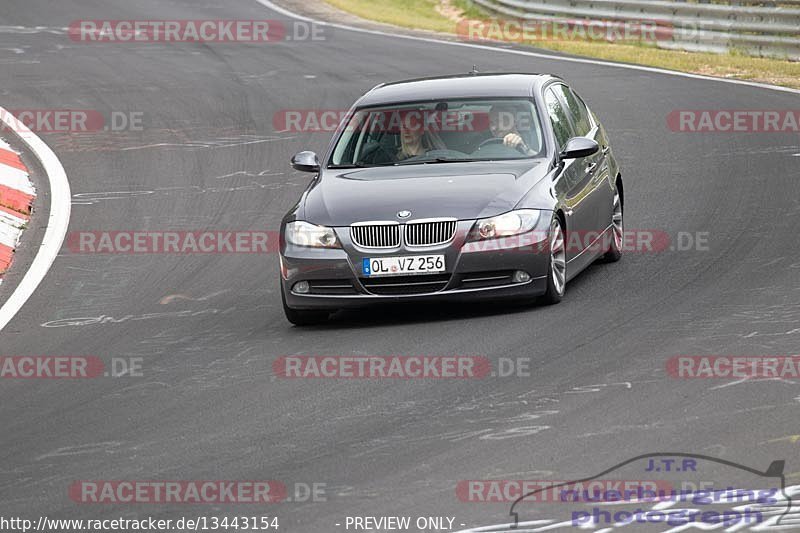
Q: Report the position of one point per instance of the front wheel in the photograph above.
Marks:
(300, 317)
(557, 269)
(614, 252)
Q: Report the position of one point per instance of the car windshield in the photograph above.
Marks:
(439, 132)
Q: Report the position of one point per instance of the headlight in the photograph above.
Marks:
(505, 225)
(305, 234)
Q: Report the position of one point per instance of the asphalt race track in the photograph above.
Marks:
(208, 327)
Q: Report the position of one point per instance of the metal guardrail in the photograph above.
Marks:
(764, 29)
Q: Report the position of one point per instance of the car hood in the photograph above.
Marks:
(464, 191)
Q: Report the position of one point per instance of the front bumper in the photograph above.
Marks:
(474, 271)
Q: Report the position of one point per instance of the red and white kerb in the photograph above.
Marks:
(16, 196)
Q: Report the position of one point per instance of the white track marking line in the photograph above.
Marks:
(60, 204)
(290, 14)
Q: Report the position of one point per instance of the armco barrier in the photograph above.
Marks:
(765, 29)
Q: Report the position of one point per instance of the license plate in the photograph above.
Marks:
(412, 264)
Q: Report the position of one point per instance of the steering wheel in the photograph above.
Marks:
(487, 142)
(500, 140)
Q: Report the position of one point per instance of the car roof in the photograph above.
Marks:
(471, 85)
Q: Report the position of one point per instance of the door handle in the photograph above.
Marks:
(606, 149)
(591, 168)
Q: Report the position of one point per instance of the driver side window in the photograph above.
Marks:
(558, 118)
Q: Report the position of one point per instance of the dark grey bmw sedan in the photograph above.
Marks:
(458, 187)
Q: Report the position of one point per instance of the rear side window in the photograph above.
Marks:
(576, 108)
(558, 118)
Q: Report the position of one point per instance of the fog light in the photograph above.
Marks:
(301, 287)
(520, 276)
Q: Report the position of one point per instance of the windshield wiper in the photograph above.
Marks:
(359, 165)
(437, 160)
(407, 162)
(350, 165)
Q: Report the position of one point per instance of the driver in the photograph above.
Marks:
(503, 125)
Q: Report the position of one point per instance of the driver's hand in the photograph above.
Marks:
(514, 141)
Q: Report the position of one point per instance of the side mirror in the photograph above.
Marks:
(579, 147)
(305, 162)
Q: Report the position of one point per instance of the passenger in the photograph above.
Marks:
(413, 142)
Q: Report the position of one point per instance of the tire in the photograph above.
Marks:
(300, 317)
(614, 252)
(557, 269)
